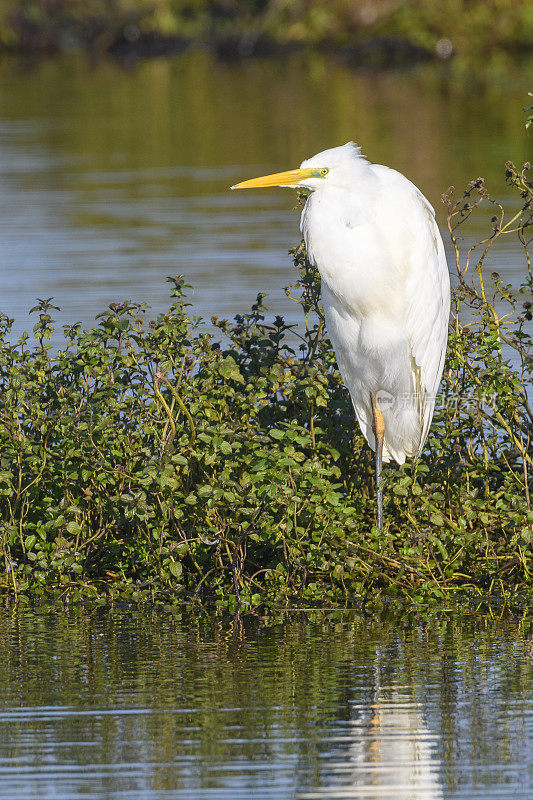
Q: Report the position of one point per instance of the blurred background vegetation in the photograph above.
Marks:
(370, 31)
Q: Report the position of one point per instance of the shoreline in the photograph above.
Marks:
(401, 35)
(384, 52)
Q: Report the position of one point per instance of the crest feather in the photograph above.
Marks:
(335, 156)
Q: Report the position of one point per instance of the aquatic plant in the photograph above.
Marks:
(161, 460)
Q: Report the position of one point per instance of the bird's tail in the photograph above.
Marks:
(407, 421)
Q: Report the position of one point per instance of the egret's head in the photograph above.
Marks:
(334, 167)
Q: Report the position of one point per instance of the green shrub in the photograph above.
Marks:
(150, 459)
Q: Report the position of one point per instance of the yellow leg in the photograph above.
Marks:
(378, 426)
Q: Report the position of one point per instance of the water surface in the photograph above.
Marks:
(145, 705)
(112, 179)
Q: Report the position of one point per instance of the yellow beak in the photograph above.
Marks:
(290, 178)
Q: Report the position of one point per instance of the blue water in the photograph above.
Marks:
(113, 179)
(140, 705)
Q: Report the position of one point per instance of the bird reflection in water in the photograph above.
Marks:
(392, 755)
(388, 751)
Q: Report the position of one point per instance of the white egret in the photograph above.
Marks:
(372, 236)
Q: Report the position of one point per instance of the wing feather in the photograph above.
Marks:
(386, 295)
(428, 290)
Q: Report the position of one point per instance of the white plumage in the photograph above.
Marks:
(385, 291)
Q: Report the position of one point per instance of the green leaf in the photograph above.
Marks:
(230, 370)
(176, 569)
(74, 528)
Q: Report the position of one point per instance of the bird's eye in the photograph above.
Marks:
(324, 171)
